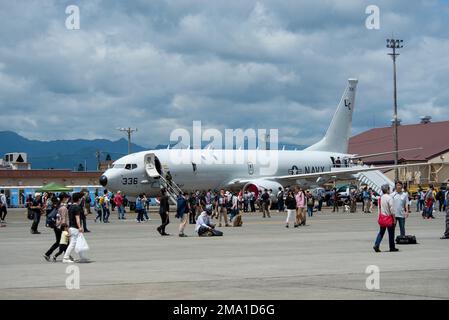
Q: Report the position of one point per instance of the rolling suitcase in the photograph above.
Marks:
(408, 239)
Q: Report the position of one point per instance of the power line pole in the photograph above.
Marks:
(395, 44)
(128, 131)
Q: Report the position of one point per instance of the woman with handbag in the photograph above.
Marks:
(386, 219)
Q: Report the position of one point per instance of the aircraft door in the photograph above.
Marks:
(152, 166)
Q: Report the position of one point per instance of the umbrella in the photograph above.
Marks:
(55, 187)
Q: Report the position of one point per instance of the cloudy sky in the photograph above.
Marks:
(159, 65)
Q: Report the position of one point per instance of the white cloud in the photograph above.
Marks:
(159, 65)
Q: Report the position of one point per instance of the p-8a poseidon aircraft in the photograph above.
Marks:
(203, 169)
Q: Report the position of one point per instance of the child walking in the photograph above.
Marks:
(64, 242)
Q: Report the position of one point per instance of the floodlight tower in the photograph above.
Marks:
(395, 44)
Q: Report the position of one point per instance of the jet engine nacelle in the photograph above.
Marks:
(256, 185)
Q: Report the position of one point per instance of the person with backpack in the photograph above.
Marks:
(366, 200)
(36, 208)
(310, 203)
(55, 219)
(280, 198)
(106, 203)
(98, 207)
(3, 208)
(139, 208)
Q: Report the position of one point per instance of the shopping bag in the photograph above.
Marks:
(81, 244)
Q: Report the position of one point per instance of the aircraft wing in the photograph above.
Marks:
(334, 173)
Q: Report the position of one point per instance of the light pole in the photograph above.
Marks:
(395, 44)
(128, 131)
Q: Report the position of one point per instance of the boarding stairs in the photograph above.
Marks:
(173, 190)
(374, 179)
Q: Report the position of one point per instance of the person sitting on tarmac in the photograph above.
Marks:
(204, 226)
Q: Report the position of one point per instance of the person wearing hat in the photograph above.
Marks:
(204, 227)
(36, 207)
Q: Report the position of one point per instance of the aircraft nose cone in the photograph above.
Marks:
(103, 180)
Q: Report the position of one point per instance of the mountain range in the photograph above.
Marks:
(69, 154)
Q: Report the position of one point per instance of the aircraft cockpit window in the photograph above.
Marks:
(128, 166)
(118, 166)
(133, 166)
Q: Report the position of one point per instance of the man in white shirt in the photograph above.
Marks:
(204, 227)
(234, 206)
(386, 208)
(400, 206)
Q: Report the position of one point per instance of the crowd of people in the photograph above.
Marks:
(66, 213)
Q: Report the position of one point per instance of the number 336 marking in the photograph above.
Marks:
(129, 181)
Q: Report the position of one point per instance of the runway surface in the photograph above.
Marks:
(261, 260)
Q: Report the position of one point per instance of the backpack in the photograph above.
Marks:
(310, 201)
(51, 218)
(280, 195)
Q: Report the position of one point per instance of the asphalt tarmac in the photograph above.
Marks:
(327, 259)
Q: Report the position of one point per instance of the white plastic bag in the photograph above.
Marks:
(81, 244)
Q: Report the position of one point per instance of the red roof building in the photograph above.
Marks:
(431, 137)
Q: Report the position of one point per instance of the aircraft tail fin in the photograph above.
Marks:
(337, 135)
